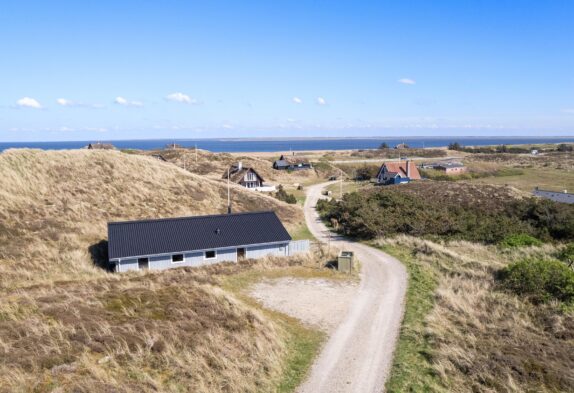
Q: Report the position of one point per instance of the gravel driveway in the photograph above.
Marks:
(358, 355)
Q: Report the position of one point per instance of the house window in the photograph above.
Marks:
(210, 254)
(177, 258)
(143, 263)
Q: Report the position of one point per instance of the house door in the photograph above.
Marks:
(143, 263)
(241, 253)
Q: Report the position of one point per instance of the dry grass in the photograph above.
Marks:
(55, 205)
(156, 331)
(552, 171)
(68, 325)
(214, 165)
(476, 337)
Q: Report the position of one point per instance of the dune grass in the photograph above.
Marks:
(66, 324)
(411, 369)
(463, 333)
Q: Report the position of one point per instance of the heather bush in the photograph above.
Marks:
(451, 211)
(520, 240)
(539, 280)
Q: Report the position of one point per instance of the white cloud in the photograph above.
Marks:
(69, 103)
(28, 102)
(297, 100)
(228, 126)
(125, 102)
(64, 102)
(407, 81)
(321, 101)
(568, 110)
(180, 97)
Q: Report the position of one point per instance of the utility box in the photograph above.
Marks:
(345, 262)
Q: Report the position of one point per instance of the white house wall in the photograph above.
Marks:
(255, 252)
(196, 258)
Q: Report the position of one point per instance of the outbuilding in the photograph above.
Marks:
(198, 240)
(292, 163)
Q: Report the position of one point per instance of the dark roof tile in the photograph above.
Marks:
(149, 237)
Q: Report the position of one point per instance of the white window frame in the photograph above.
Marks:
(176, 262)
(205, 258)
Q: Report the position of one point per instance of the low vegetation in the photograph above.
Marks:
(539, 280)
(283, 196)
(520, 240)
(518, 149)
(359, 171)
(566, 255)
(66, 324)
(449, 211)
(387, 152)
(465, 330)
(472, 173)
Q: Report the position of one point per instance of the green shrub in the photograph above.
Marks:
(539, 280)
(282, 195)
(566, 255)
(520, 240)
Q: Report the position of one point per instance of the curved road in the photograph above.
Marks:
(358, 355)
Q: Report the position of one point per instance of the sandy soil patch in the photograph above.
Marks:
(317, 302)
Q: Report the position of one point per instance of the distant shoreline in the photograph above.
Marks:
(305, 138)
(261, 145)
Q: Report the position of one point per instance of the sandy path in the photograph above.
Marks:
(358, 355)
(317, 302)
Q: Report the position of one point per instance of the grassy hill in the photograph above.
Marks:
(450, 210)
(66, 323)
(214, 165)
(55, 205)
(489, 308)
(463, 332)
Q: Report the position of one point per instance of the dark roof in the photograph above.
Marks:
(170, 235)
(281, 163)
(236, 175)
(293, 160)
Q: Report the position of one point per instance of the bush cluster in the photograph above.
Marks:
(539, 280)
(282, 195)
(563, 147)
(520, 240)
(432, 209)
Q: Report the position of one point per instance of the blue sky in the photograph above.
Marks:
(71, 70)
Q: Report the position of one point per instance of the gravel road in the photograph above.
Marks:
(358, 355)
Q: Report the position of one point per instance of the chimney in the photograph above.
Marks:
(408, 169)
(239, 166)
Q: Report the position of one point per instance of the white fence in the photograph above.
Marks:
(298, 246)
(265, 189)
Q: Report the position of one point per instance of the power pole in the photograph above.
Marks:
(341, 185)
(228, 194)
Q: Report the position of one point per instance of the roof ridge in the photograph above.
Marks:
(189, 217)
